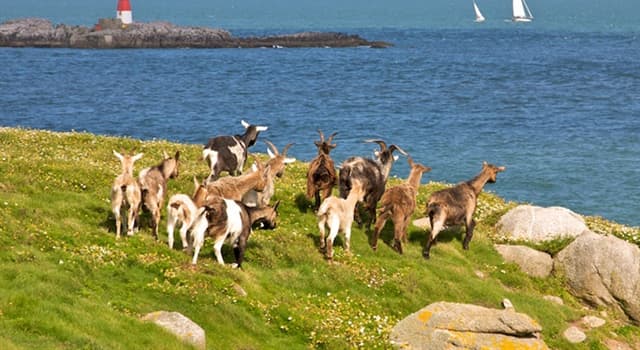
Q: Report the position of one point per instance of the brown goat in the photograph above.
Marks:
(153, 184)
(125, 190)
(276, 164)
(398, 203)
(234, 188)
(321, 175)
(456, 205)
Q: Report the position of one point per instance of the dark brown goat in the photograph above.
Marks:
(372, 174)
(321, 176)
(153, 183)
(456, 205)
(398, 203)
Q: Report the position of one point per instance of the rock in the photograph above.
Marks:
(592, 322)
(603, 270)
(507, 304)
(444, 325)
(574, 335)
(531, 261)
(553, 299)
(537, 224)
(37, 32)
(179, 325)
(479, 274)
(422, 223)
(612, 344)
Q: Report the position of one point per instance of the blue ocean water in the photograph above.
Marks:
(557, 104)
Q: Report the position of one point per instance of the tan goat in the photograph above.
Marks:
(337, 213)
(125, 190)
(321, 176)
(276, 165)
(456, 205)
(398, 203)
(153, 184)
(234, 187)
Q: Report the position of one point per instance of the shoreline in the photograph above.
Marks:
(40, 32)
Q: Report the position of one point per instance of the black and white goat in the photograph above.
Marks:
(229, 153)
(372, 173)
(229, 220)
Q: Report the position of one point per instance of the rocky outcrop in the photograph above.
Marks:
(445, 325)
(38, 32)
(531, 261)
(536, 224)
(603, 270)
(179, 325)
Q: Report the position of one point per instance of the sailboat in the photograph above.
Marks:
(521, 12)
(479, 16)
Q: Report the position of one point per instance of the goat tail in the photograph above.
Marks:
(433, 210)
(324, 208)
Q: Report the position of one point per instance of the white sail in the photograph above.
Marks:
(521, 11)
(479, 16)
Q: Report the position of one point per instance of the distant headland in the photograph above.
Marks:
(113, 34)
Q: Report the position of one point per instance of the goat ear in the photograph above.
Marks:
(254, 167)
(395, 158)
(177, 155)
(289, 160)
(262, 128)
(245, 124)
(137, 156)
(165, 155)
(484, 163)
(502, 168)
(376, 153)
(271, 155)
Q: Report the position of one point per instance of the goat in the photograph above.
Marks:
(225, 219)
(456, 205)
(337, 213)
(229, 153)
(153, 184)
(125, 189)
(184, 210)
(321, 175)
(372, 174)
(276, 164)
(236, 187)
(398, 203)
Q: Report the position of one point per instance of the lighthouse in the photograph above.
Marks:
(124, 12)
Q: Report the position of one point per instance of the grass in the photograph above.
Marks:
(68, 284)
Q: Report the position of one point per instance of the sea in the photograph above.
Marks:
(556, 101)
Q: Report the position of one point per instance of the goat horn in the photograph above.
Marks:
(331, 137)
(321, 135)
(272, 146)
(286, 148)
(165, 155)
(381, 143)
(396, 147)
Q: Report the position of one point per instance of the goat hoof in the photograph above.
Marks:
(425, 255)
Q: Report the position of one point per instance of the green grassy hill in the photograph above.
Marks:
(66, 283)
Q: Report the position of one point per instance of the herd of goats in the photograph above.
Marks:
(226, 208)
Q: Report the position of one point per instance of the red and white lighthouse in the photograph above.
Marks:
(124, 11)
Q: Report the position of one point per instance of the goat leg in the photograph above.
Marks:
(468, 235)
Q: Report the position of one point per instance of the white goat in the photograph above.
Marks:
(125, 189)
(338, 214)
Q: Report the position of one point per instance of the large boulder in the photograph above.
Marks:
(537, 224)
(531, 261)
(180, 326)
(603, 270)
(444, 325)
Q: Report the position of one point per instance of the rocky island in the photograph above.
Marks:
(112, 34)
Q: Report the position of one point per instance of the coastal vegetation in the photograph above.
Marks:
(67, 283)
